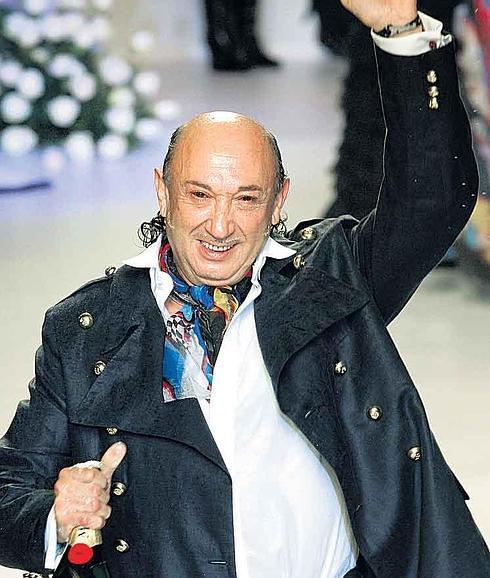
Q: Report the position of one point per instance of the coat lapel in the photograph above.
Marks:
(128, 393)
(292, 311)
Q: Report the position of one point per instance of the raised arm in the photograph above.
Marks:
(430, 179)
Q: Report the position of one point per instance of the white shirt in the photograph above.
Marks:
(289, 515)
(280, 529)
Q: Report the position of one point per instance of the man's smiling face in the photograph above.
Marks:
(220, 201)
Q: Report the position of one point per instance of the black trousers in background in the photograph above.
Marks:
(231, 29)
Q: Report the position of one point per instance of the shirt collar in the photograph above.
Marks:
(148, 258)
(271, 249)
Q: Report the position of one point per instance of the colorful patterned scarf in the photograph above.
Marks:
(195, 333)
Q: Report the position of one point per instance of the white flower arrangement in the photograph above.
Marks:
(115, 71)
(142, 41)
(63, 111)
(122, 96)
(102, 5)
(148, 129)
(10, 72)
(147, 83)
(52, 27)
(112, 146)
(80, 146)
(101, 29)
(120, 120)
(65, 66)
(36, 7)
(40, 55)
(55, 65)
(73, 4)
(167, 109)
(14, 108)
(18, 140)
(31, 83)
(83, 86)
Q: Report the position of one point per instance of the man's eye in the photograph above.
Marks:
(198, 194)
(247, 198)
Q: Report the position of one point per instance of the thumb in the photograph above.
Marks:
(111, 459)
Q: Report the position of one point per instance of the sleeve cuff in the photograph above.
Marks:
(53, 550)
(415, 44)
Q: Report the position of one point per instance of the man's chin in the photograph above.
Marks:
(221, 278)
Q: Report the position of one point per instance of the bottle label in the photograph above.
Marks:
(86, 536)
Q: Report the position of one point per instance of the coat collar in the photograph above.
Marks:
(293, 310)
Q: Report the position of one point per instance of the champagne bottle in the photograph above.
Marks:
(83, 556)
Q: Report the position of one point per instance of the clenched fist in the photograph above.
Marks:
(82, 493)
(379, 13)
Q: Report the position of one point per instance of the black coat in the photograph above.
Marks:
(321, 323)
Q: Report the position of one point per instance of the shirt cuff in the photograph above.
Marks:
(419, 42)
(53, 551)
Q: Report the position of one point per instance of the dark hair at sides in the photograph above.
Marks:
(149, 231)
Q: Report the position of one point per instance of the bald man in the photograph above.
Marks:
(251, 415)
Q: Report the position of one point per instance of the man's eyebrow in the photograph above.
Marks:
(199, 184)
(250, 188)
(240, 189)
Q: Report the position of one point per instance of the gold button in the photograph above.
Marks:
(433, 91)
(99, 367)
(432, 76)
(86, 320)
(415, 453)
(298, 261)
(112, 431)
(340, 368)
(308, 234)
(433, 104)
(118, 488)
(374, 412)
(109, 272)
(121, 545)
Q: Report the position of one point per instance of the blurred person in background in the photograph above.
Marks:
(232, 35)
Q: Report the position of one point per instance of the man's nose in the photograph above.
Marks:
(221, 223)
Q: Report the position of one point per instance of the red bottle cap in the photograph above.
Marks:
(80, 554)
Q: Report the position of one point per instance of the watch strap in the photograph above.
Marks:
(391, 30)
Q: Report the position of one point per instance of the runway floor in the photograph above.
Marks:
(53, 240)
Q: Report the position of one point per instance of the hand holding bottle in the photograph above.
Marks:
(82, 493)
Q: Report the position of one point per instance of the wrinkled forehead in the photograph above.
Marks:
(239, 151)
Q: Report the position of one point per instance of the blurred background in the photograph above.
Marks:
(90, 91)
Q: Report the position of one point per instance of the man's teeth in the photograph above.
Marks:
(221, 248)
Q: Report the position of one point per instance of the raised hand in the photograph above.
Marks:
(377, 14)
(82, 493)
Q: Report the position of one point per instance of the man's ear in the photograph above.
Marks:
(279, 202)
(162, 192)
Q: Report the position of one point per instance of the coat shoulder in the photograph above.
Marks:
(92, 297)
(315, 229)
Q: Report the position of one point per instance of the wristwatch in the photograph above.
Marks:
(391, 30)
